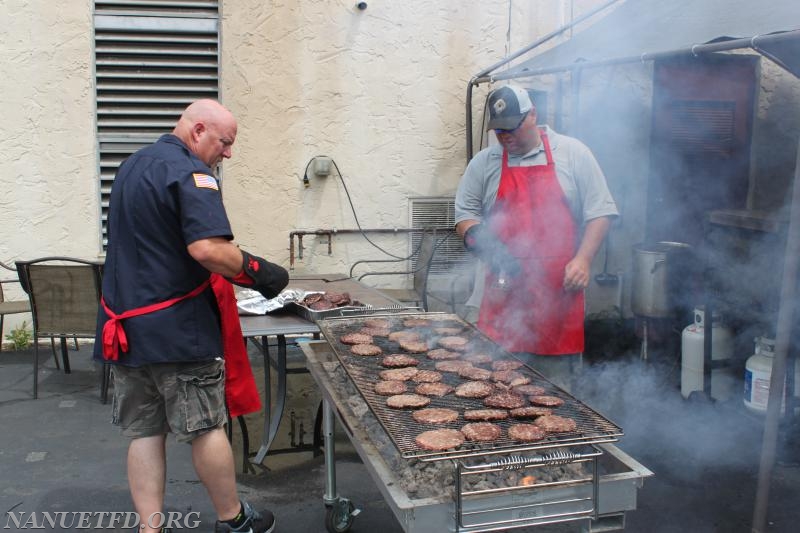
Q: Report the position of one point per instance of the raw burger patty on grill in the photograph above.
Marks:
(366, 349)
(375, 332)
(526, 432)
(556, 424)
(451, 366)
(529, 412)
(380, 323)
(433, 389)
(440, 354)
(485, 414)
(398, 374)
(506, 364)
(404, 335)
(390, 388)
(435, 415)
(504, 400)
(478, 358)
(475, 373)
(356, 338)
(416, 322)
(398, 360)
(414, 346)
(407, 401)
(510, 376)
(546, 401)
(458, 344)
(482, 431)
(439, 439)
(427, 376)
(447, 331)
(529, 390)
(474, 389)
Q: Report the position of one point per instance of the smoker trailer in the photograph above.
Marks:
(576, 476)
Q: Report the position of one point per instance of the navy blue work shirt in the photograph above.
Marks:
(163, 198)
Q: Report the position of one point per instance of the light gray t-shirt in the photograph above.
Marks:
(578, 173)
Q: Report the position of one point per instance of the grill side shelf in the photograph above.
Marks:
(592, 428)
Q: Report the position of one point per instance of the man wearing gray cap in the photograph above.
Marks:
(535, 209)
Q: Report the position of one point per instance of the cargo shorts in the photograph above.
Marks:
(187, 399)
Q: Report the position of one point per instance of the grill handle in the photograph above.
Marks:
(516, 462)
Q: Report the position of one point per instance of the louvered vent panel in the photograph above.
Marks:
(438, 213)
(702, 127)
(151, 60)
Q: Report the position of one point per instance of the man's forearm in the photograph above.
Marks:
(593, 235)
(217, 255)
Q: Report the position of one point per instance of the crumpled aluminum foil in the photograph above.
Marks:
(252, 302)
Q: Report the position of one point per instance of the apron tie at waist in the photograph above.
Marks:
(114, 337)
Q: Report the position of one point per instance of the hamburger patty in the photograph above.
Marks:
(504, 400)
(506, 364)
(440, 354)
(447, 331)
(439, 439)
(390, 388)
(380, 323)
(474, 389)
(478, 358)
(546, 401)
(529, 390)
(398, 361)
(556, 424)
(526, 432)
(529, 412)
(407, 401)
(435, 415)
(356, 338)
(404, 334)
(365, 349)
(485, 414)
(398, 374)
(416, 322)
(451, 366)
(427, 376)
(433, 389)
(481, 431)
(414, 346)
(375, 332)
(475, 373)
(454, 343)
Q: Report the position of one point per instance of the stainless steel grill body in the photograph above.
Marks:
(607, 489)
(592, 428)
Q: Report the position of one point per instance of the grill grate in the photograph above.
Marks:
(592, 428)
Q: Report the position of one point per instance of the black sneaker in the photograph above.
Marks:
(263, 522)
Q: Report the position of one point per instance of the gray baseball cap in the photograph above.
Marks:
(508, 105)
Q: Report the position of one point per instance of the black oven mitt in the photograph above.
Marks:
(480, 241)
(259, 274)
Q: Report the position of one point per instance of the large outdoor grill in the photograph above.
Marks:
(502, 484)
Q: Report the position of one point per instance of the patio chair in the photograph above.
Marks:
(64, 295)
(10, 307)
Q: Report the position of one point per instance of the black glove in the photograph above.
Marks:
(479, 240)
(259, 274)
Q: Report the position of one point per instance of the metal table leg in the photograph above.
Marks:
(339, 512)
(272, 420)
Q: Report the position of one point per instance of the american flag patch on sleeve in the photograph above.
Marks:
(205, 181)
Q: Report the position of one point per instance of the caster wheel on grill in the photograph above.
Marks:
(339, 516)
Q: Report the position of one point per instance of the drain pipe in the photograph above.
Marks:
(483, 76)
(783, 333)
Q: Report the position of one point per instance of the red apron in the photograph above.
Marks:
(533, 313)
(241, 393)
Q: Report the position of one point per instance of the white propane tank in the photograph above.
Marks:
(722, 379)
(757, 375)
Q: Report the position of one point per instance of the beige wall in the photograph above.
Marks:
(381, 91)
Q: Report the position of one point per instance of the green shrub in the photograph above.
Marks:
(20, 336)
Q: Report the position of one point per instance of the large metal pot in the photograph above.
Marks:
(657, 272)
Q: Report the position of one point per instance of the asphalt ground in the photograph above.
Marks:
(59, 453)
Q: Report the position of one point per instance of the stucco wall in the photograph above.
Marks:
(381, 91)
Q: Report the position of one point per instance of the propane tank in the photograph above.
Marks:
(757, 375)
(692, 361)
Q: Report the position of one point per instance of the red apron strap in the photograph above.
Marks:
(114, 337)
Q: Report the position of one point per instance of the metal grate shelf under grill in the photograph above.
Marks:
(592, 428)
